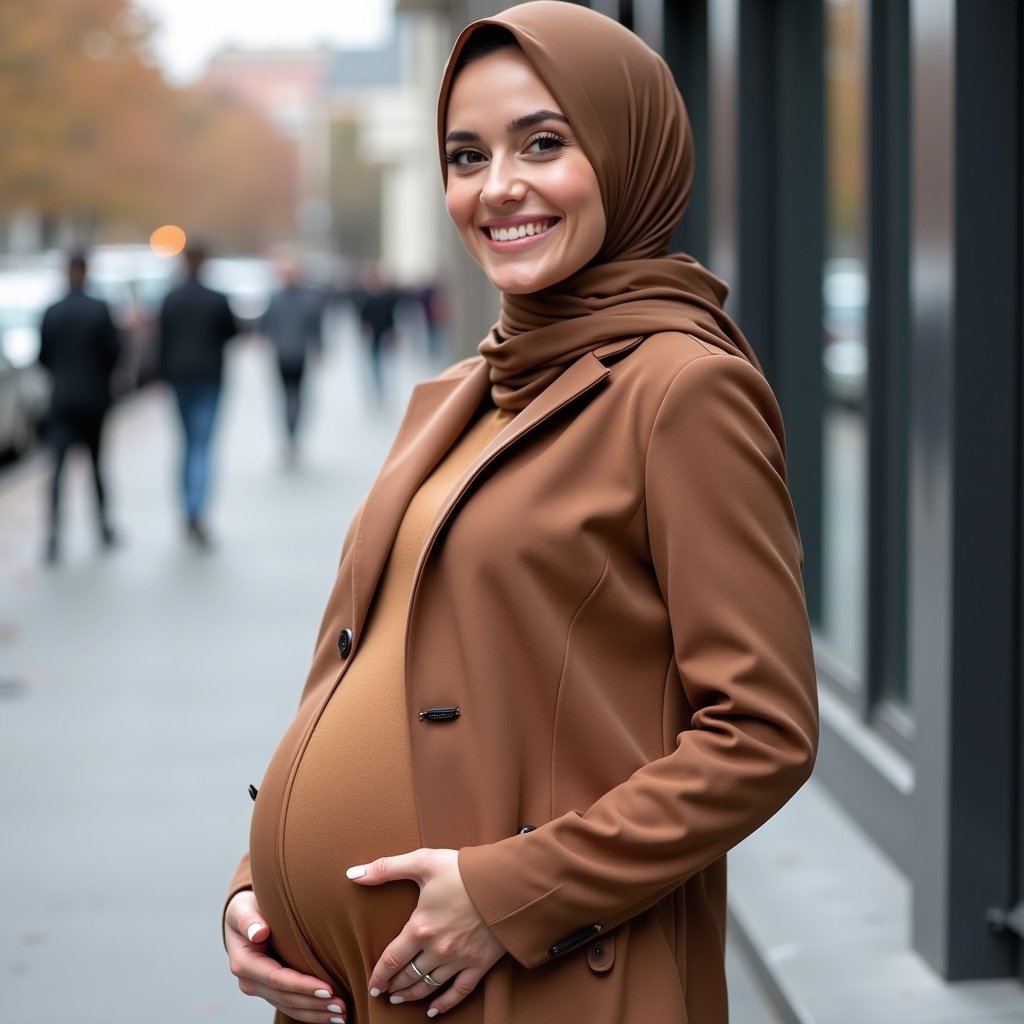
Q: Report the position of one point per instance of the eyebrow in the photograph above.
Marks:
(529, 120)
(517, 124)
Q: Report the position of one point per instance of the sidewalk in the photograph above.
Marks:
(142, 691)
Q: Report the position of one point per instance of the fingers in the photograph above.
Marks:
(243, 916)
(462, 984)
(420, 986)
(314, 1010)
(391, 869)
(445, 938)
(301, 997)
(465, 982)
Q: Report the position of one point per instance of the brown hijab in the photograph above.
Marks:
(626, 111)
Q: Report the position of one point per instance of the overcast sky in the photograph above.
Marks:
(191, 30)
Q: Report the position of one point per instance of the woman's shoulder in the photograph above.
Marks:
(668, 354)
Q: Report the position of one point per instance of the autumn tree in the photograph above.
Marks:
(92, 134)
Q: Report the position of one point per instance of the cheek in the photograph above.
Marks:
(460, 206)
(579, 195)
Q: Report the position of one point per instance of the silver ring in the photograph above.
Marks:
(428, 980)
(415, 970)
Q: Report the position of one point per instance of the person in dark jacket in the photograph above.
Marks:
(376, 302)
(292, 322)
(79, 345)
(194, 326)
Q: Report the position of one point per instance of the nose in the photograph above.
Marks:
(502, 185)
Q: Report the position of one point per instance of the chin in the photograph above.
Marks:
(521, 284)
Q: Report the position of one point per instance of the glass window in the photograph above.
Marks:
(844, 353)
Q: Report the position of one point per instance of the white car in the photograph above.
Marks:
(247, 281)
(24, 296)
(19, 414)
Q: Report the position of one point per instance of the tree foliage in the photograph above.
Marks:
(91, 132)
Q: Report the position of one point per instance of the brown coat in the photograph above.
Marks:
(612, 599)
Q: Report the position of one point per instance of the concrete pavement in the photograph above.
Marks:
(142, 690)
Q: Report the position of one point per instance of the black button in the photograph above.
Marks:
(526, 828)
(345, 642)
(597, 951)
(439, 714)
(572, 941)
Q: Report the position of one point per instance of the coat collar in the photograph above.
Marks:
(438, 413)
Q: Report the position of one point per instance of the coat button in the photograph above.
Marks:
(345, 642)
(525, 829)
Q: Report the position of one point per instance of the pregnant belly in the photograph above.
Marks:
(350, 801)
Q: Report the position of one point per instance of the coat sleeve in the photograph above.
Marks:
(112, 343)
(725, 550)
(162, 341)
(46, 340)
(228, 324)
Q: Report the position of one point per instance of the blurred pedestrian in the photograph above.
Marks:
(376, 302)
(195, 324)
(432, 299)
(292, 322)
(80, 346)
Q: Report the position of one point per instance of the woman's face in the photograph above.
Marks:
(521, 192)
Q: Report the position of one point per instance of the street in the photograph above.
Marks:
(143, 689)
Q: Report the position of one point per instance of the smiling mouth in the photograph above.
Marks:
(537, 227)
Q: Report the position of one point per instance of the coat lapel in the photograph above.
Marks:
(580, 377)
(437, 414)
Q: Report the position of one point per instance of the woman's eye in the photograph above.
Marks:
(546, 143)
(463, 157)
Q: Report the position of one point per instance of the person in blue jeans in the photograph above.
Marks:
(195, 324)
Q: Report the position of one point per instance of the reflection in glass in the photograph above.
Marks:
(844, 353)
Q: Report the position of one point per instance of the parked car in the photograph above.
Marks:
(20, 418)
(24, 296)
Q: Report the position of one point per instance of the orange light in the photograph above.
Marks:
(168, 240)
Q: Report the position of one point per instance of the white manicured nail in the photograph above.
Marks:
(397, 999)
(253, 929)
(374, 992)
(433, 1012)
(337, 1020)
(357, 872)
(334, 1008)
(322, 993)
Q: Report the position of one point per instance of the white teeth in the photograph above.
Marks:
(520, 231)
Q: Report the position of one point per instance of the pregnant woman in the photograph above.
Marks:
(565, 665)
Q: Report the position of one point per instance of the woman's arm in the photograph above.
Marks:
(726, 554)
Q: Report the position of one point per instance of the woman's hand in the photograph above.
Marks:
(445, 939)
(299, 996)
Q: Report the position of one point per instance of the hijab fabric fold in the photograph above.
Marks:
(624, 107)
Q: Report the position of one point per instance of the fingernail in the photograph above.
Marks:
(253, 929)
(356, 872)
(397, 999)
(433, 1012)
(334, 1008)
(374, 992)
(322, 993)
(337, 1020)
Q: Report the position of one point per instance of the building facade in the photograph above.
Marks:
(859, 184)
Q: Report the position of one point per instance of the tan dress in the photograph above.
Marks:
(351, 796)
